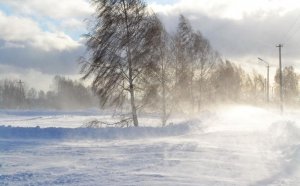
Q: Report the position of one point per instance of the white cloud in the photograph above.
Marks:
(61, 15)
(73, 24)
(30, 76)
(57, 9)
(17, 29)
(28, 33)
(229, 9)
(54, 41)
(12, 45)
(240, 28)
(34, 40)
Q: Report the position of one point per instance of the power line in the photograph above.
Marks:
(291, 36)
(288, 35)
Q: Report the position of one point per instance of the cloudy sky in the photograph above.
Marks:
(41, 38)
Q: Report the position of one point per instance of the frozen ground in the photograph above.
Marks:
(230, 146)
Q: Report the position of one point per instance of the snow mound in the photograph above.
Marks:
(92, 133)
(285, 137)
(285, 133)
(88, 112)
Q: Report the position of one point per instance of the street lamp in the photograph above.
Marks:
(268, 79)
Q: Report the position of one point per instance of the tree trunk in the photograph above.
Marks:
(200, 98)
(192, 95)
(164, 111)
(131, 91)
(133, 107)
(130, 73)
(200, 92)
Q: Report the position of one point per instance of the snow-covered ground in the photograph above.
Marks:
(238, 145)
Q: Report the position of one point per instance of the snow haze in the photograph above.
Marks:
(237, 145)
(149, 92)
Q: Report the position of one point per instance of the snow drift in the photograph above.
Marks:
(91, 133)
(231, 146)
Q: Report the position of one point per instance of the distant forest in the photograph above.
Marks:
(67, 94)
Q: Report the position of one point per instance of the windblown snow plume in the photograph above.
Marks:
(238, 145)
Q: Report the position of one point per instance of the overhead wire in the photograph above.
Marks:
(292, 30)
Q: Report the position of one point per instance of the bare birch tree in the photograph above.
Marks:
(119, 45)
(164, 73)
(204, 59)
(183, 66)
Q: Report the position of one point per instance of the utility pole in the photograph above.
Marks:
(21, 94)
(268, 83)
(280, 79)
(265, 89)
(20, 82)
(268, 78)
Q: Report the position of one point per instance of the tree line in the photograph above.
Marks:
(133, 60)
(135, 63)
(66, 94)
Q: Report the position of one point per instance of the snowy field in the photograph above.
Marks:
(238, 145)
